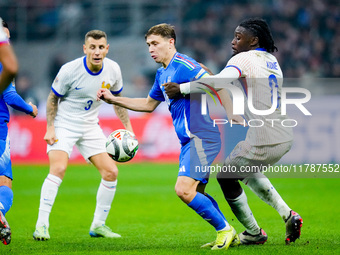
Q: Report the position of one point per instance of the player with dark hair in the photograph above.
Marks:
(7, 59)
(8, 97)
(72, 119)
(254, 70)
(200, 143)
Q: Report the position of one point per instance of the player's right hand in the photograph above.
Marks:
(35, 110)
(105, 95)
(50, 136)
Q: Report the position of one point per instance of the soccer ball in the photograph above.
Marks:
(122, 145)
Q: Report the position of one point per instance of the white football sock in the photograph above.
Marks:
(105, 195)
(263, 188)
(241, 209)
(49, 192)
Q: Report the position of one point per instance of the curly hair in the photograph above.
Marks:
(259, 28)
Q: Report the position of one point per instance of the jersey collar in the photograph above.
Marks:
(171, 60)
(89, 71)
(260, 49)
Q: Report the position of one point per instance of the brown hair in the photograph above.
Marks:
(95, 34)
(164, 30)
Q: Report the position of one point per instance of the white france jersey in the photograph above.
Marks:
(260, 72)
(77, 88)
(3, 36)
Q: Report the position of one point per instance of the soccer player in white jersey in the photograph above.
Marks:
(72, 119)
(7, 59)
(254, 69)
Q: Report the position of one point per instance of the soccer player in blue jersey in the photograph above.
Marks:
(200, 143)
(11, 98)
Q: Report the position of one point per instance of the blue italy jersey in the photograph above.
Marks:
(186, 114)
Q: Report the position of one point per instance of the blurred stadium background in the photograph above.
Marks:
(48, 33)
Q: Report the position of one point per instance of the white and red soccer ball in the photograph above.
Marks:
(121, 145)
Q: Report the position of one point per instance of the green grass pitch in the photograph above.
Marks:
(152, 220)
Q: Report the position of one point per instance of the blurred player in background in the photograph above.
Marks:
(8, 97)
(7, 59)
(198, 146)
(72, 119)
(254, 68)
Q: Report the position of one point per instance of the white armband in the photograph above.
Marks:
(218, 81)
(185, 88)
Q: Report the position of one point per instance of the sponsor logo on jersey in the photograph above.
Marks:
(182, 169)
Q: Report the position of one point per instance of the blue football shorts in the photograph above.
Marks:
(5, 159)
(196, 156)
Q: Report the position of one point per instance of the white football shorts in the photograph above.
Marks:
(245, 154)
(89, 142)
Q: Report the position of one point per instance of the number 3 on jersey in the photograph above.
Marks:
(89, 104)
(273, 83)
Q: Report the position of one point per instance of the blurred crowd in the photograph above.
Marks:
(306, 32)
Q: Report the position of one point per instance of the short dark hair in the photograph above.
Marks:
(259, 27)
(4, 24)
(164, 30)
(95, 34)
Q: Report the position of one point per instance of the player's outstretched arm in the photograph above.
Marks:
(51, 112)
(135, 104)
(13, 99)
(218, 81)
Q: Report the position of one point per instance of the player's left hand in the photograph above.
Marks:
(172, 89)
(35, 110)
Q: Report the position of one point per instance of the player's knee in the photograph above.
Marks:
(58, 170)
(110, 175)
(5, 181)
(180, 192)
(184, 193)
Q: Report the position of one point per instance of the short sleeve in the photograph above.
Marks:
(117, 87)
(61, 83)
(156, 92)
